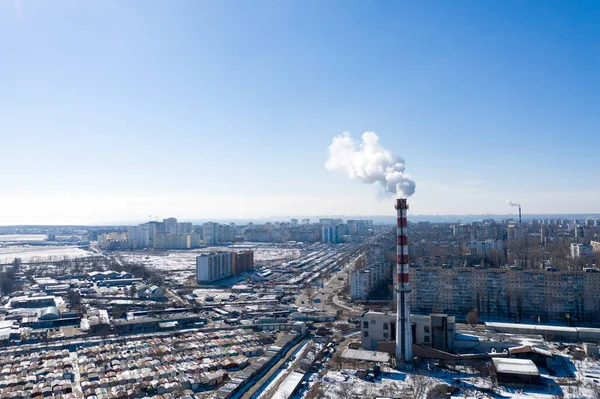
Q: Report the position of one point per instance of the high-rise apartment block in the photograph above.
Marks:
(332, 234)
(214, 266)
(170, 225)
(365, 281)
(509, 293)
(483, 247)
(581, 250)
(242, 262)
(210, 233)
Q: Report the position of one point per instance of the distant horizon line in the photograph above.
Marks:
(265, 219)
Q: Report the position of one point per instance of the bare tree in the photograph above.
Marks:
(473, 317)
(419, 383)
(346, 390)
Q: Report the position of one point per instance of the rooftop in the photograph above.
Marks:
(515, 366)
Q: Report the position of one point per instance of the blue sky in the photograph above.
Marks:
(115, 110)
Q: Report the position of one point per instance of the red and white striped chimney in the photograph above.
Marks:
(403, 324)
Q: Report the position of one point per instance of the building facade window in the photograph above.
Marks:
(365, 324)
(366, 334)
(385, 326)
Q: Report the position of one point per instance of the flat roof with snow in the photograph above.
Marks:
(365, 355)
(515, 366)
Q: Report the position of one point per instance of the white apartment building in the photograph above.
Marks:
(363, 281)
(483, 247)
(581, 250)
(140, 235)
(210, 233)
(213, 266)
(183, 227)
(170, 225)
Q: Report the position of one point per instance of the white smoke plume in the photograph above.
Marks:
(509, 202)
(369, 162)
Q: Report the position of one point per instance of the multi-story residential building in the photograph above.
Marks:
(364, 281)
(170, 225)
(210, 233)
(183, 227)
(581, 250)
(330, 221)
(242, 262)
(214, 266)
(332, 234)
(140, 235)
(507, 293)
(294, 222)
(172, 241)
(483, 247)
(359, 227)
(225, 233)
(595, 246)
(305, 221)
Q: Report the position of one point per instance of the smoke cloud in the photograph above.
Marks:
(370, 163)
(509, 202)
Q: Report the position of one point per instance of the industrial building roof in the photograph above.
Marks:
(515, 366)
(50, 313)
(365, 355)
(529, 349)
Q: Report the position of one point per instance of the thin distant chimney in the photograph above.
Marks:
(519, 214)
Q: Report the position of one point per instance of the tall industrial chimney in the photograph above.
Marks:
(403, 324)
(519, 214)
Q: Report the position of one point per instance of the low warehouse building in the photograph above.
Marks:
(512, 371)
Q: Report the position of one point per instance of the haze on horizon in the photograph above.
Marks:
(119, 110)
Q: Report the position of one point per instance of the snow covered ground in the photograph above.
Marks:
(29, 253)
(393, 383)
(186, 259)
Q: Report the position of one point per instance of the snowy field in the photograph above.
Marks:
(41, 253)
(186, 259)
(22, 237)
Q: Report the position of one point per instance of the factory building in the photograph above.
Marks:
(214, 266)
(436, 330)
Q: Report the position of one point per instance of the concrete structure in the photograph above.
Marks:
(436, 330)
(364, 281)
(581, 250)
(170, 225)
(242, 262)
(562, 333)
(210, 233)
(213, 266)
(483, 247)
(139, 235)
(595, 246)
(548, 294)
(183, 227)
(332, 234)
(515, 371)
(591, 349)
(404, 331)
